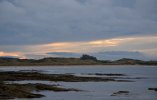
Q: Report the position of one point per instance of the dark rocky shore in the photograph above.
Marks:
(19, 76)
(7, 90)
(11, 91)
(8, 84)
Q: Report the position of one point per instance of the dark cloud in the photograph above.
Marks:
(44, 21)
(82, 1)
(124, 3)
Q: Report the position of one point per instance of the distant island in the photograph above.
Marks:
(83, 60)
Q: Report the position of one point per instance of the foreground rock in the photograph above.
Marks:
(11, 91)
(119, 93)
(19, 76)
(105, 74)
(155, 89)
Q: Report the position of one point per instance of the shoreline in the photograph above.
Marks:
(14, 66)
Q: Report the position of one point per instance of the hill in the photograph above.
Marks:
(83, 60)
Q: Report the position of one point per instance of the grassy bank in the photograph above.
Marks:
(70, 61)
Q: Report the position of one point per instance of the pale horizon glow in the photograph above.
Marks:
(115, 44)
(14, 54)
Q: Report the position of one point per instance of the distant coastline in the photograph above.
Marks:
(83, 60)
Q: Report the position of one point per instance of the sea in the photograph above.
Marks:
(143, 77)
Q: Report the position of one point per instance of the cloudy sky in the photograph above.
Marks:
(37, 28)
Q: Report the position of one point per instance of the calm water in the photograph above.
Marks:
(99, 90)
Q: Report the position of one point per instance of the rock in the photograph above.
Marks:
(155, 89)
(120, 93)
(11, 91)
(88, 57)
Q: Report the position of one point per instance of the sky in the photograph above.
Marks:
(103, 28)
